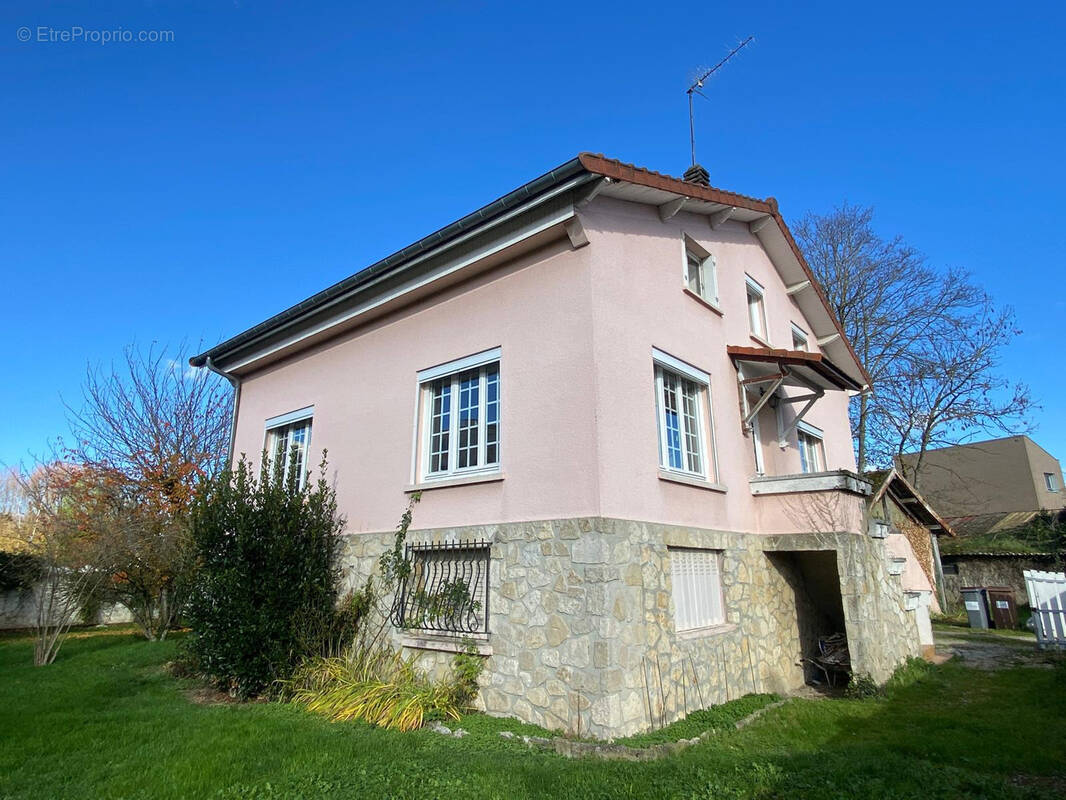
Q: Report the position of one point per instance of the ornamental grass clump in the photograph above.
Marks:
(383, 689)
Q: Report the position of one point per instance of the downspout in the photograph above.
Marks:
(938, 569)
(235, 382)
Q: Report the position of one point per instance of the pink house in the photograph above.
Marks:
(624, 400)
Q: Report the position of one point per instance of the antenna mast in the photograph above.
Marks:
(698, 84)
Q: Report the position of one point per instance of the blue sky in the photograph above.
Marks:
(187, 190)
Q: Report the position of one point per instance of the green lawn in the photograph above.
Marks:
(106, 721)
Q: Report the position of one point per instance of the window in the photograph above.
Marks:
(700, 272)
(799, 338)
(697, 588)
(756, 310)
(1050, 482)
(461, 416)
(811, 447)
(445, 588)
(680, 391)
(288, 441)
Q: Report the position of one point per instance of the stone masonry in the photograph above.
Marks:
(581, 633)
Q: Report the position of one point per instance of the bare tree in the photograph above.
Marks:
(150, 430)
(904, 319)
(951, 388)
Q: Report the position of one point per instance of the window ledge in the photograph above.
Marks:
(445, 643)
(703, 301)
(708, 632)
(690, 480)
(832, 481)
(760, 340)
(455, 480)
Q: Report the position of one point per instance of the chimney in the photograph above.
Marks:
(697, 175)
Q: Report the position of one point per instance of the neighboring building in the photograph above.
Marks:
(991, 569)
(624, 400)
(911, 529)
(985, 479)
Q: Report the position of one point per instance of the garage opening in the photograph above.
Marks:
(812, 576)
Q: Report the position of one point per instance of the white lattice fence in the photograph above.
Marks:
(1047, 599)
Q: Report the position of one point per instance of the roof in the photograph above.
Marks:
(900, 489)
(814, 367)
(996, 522)
(614, 178)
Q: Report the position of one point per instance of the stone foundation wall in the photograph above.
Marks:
(582, 636)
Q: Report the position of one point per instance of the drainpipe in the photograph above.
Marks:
(235, 382)
(938, 570)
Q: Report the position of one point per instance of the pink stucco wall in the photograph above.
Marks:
(638, 303)
(578, 420)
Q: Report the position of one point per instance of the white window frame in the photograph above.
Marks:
(708, 271)
(282, 424)
(804, 429)
(800, 335)
(1050, 482)
(453, 369)
(697, 591)
(752, 286)
(704, 417)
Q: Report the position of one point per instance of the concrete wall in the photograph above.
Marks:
(18, 609)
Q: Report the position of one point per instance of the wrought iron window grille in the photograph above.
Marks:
(444, 588)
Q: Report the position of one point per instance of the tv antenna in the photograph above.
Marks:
(698, 84)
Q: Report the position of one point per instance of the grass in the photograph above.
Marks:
(106, 720)
(715, 718)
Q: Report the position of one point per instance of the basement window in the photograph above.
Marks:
(696, 576)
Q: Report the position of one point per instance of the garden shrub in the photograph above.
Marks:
(267, 576)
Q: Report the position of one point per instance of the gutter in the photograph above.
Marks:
(235, 382)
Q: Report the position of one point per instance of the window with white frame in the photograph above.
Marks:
(1050, 482)
(756, 309)
(460, 419)
(811, 448)
(288, 442)
(696, 576)
(681, 394)
(700, 273)
(799, 338)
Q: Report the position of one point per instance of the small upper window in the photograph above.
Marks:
(288, 441)
(700, 273)
(799, 338)
(811, 448)
(756, 310)
(1050, 482)
(681, 392)
(461, 416)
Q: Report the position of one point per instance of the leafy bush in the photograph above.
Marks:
(268, 567)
